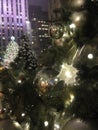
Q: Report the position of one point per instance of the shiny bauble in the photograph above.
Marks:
(9, 125)
(73, 4)
(77, 124)
(79, 18)
(56, 31)
(77, 5)
(45, 79)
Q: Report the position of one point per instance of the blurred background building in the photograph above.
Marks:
(40, 28)
(13, 20)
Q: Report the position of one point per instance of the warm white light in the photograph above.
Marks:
(65, 35)
(27, 126)
(19, 81)
(56, 79)
(63, 66)
(32, 42)
(56, 126)
(68, 73)
(71, 97)
(16, 124)
(77, 18)
(23, 114)
(78, 3)
(12, 38)
(90, 56)
(72, 26)
(46, 123)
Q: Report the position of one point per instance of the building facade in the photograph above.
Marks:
(40, 27)
(13, 20)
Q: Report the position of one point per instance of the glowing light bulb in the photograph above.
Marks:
(72, 26)
(90, 56)
(77, 18)
(68, 74)
(56, 126)
(46, 123)
(71, 97)
(23, 114)
(19, 81)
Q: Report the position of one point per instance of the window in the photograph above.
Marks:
(20, 20)
(17, 20)
(2, 19)
(2, 11)
(8, 32)
(12, 19)
(13, 32)
(7, 19)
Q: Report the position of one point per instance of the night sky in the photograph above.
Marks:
(42, 3)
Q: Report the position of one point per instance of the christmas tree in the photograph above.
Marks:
(58, 91)
(10, 53)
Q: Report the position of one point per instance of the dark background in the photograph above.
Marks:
(42, 3)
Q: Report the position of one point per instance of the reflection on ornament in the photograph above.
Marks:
(68, 73)
(77, 124)
(43, 86)
(90, 56)
(79, 18)
(56, 31)
(58, 42)
(45, 79)
(78, 3)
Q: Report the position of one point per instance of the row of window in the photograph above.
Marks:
(12, 20)
(13, 32)
(6, 5)
(43, 29)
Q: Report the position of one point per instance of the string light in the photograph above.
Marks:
(56, 126)
(19, 81)
(71, 97)
(90, 56)
(46, 123)
(23, 114)
(68, 73)
(72, 26)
